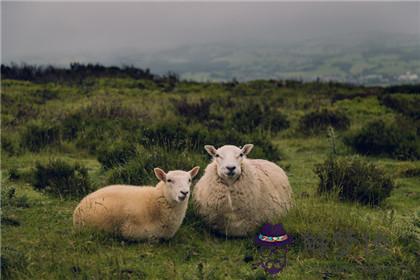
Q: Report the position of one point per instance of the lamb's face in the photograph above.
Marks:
(177, 183)
(229, 160)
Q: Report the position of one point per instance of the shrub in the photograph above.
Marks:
(411, 172)
(117, 154)
(43, 96)
(61, 179)
(97, 134)
(14, 174)
(263, 147)
(180, 137)
(319, 121)
(71, 125)
(408, 105)
(9, 198)
(259, 116)
(378, 138)
(354, 179)
(199, 111)
(9, 145)
(38, 135)
(139, 170)
(168, 134)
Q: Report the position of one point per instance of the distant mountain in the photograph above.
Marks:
(369, 58)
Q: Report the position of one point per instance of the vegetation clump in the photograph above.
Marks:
(117, 154)
(318, 121)
(10, 199)
(38, 135)
(139, 170)
(393, 140)
(62, 179)
(406, 104)
(251, 117)
(354, 179)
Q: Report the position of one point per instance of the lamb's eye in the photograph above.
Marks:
(169, 180)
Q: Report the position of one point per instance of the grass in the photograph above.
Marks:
(352, 241)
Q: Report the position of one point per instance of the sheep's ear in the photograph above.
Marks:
(160, 174)
(247, 148)
(194, 171)
(210, 149)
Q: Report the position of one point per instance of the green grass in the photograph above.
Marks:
(383, 242)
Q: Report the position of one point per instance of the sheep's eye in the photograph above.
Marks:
(217, 155)
(169, 180)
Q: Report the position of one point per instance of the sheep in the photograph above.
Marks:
(138, 213)
(236, 194)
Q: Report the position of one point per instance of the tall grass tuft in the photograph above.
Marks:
(62, 179)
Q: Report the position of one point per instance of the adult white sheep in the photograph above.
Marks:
(138, 213)
(236, 195)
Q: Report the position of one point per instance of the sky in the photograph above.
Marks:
(58, 33)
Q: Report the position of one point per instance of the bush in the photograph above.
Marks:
(43, 96)
(354, 179)
(9, 144)
(117, 154)
(39, 135)
(167, 134)
(139, 170)
(61, 179)
(9, 198)
(318, 121)
(259, 116)
(408, 105)
(199, 111)
(14, 174)
(378, 138)
(180, 137)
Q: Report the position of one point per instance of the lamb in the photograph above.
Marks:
(138, 213)
(236, 195)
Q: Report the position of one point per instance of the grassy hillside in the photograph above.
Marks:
(118, 128)
(369, 59)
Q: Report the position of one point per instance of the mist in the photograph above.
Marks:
(59, 33)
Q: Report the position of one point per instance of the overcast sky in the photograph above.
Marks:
(61, 32)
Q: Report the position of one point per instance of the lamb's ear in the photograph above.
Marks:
(194, 171)
(160, 174)
(211, 150)
(247, 148)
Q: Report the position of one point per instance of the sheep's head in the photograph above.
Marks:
(177, 183)
(229, 160)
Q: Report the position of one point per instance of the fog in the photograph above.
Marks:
(59, 33)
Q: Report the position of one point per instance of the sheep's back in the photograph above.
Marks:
(109, 207)
(276, 193)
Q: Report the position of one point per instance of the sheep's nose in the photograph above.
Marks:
(184, 193)
(231, 168)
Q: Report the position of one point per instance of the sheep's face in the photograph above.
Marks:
(177, 183)
(229, 160)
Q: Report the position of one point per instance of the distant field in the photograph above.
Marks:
(78, 121)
